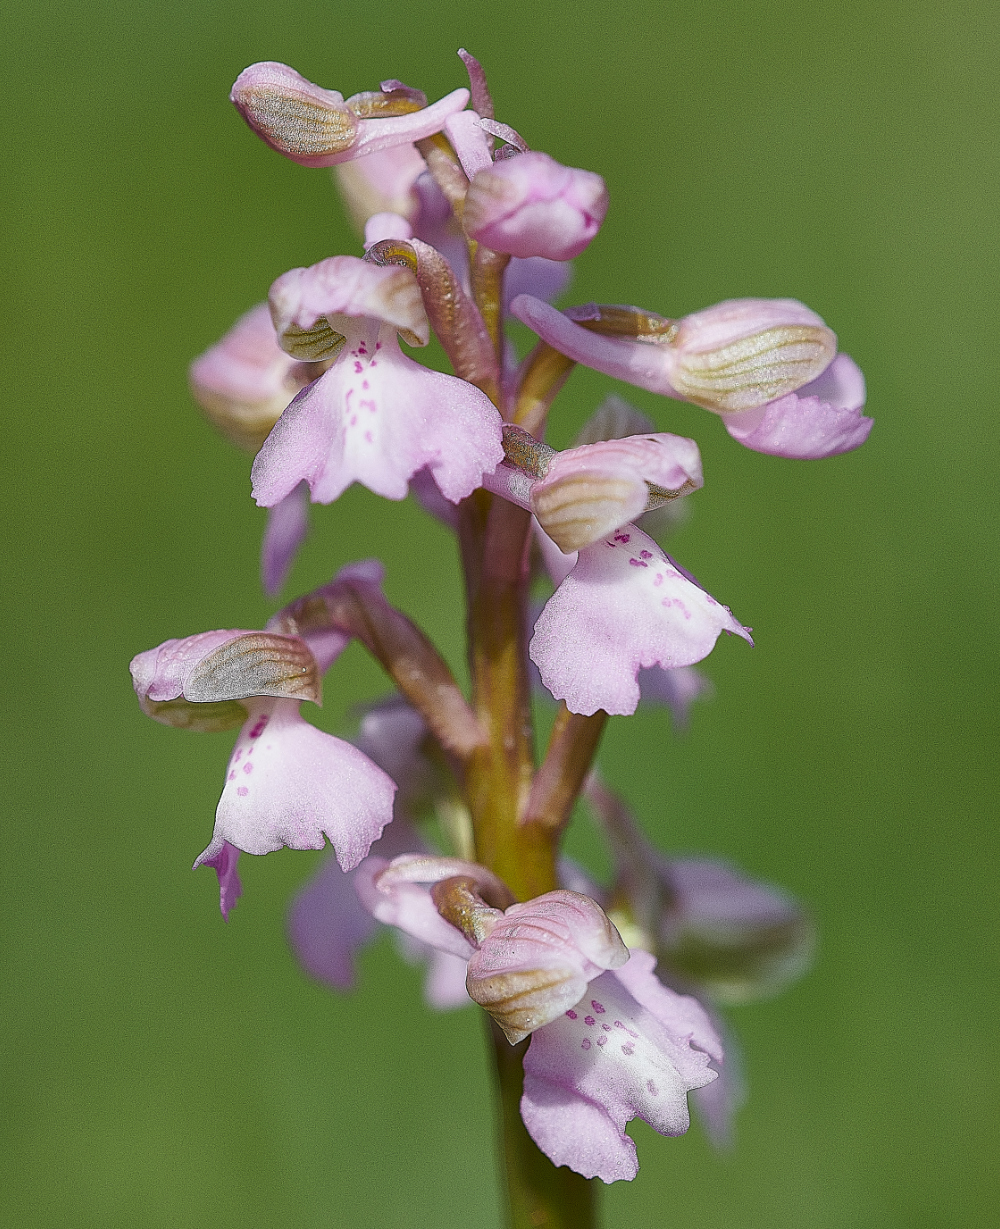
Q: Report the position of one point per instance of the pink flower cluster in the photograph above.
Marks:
(465, 230)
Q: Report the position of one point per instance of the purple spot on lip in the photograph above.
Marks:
(598, 1007)
(645, 554)
(602, 1041)
(259, 728)
(628, 1049)
(638, 563)
(242, 791)
(231, 777)
(585, 1044)
(652, 1088)
(606, 1027)
(571, 1014)
(589, 1020)
(248, 768)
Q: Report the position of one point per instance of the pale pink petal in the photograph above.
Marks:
(647, 366)
(377, 418)
(409, 907)
(376, 135)
(822, 419)
(676, 688)
(538, 958)
(625, 605)
(327, 926)
(225, 865)
(717, 1104)
(630, 1048)
(348, 286)
(386, 225)
(444, 986)
(470, 142)
(530, 205)
(380, 183)
(288, 783)
(287, 526)
(537, 276)
(160, 673)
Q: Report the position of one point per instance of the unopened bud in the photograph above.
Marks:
(529, 205)
(747, 352)
(292, 115)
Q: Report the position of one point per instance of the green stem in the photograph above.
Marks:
(538, 1194)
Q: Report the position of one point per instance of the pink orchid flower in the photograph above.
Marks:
(375, 417)
(759, 363)
(622, 604)
(625, 1047)
(287, 783)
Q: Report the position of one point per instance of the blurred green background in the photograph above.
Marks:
(165, 1069)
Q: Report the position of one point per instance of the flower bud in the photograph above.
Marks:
(747, 352)
(529, 205)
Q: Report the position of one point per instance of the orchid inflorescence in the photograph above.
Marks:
(590, 987)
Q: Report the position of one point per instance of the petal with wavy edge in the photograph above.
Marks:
(288, 783)
(624, 605)
(631, 1048)
(377, 418)
(822, 419)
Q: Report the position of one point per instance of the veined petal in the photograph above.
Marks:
(377, 417)
(346, 286)
(538, 959)
(290, 784)
(631, 1048)
(624, 605)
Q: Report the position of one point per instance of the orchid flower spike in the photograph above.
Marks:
(759, 363)
(317, 127)
(375, 417)
(287, 783)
